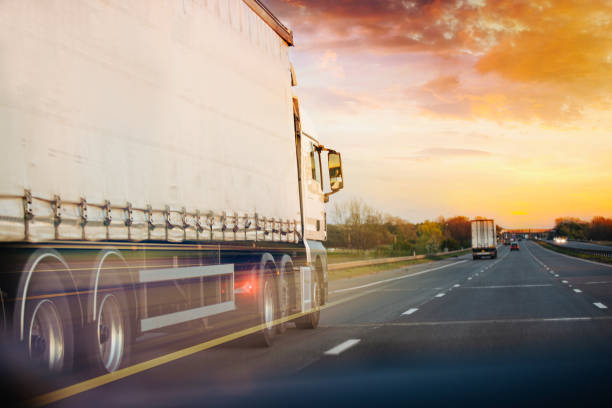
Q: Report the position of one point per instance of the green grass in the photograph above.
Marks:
(570, 252)
(348, 255)
(373, 269)
(446, 256)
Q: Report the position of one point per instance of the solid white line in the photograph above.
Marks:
(577, 291)
(600, 305)
(342, 347)
(396, 278)
(410, 311)
(599, 283)
(540, 285)
(440, 294)
(468, 322)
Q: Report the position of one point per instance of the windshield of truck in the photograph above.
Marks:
(315, 164)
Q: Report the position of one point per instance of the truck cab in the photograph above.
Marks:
(315, 188)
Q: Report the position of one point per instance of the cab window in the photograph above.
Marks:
(315, 164)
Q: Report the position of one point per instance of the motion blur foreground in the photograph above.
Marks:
(159, 176)
(162, 222)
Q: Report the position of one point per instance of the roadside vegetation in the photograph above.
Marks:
(373, 269)
(598, 230)
(575, 253)
(359, 231)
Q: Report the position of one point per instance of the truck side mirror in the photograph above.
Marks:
(335, 171)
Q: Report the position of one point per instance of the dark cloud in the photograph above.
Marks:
(550, 59)
(389, 25)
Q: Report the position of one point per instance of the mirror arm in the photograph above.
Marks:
(326, 195)
(322, 148)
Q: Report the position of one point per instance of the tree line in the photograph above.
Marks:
(359, 226)
(598, 229)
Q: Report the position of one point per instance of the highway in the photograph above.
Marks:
(530, 327)
(582, 245)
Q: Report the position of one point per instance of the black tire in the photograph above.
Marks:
(311, 320)
(474, 257)
(109, 337)
(267, 310)
(48, 328)
(283, 302)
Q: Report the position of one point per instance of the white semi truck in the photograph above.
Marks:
(484, 239)
(156, 172)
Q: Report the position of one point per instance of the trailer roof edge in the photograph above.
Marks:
(270, 19)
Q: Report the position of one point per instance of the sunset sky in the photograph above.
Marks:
(471, 107)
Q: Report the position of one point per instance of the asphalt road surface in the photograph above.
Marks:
(582, 245)
(532, 327)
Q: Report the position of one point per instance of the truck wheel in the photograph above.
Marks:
(48, 334)
(267, 313)
(311, 320)
(283, 303)
(109, 335)
(48, 331)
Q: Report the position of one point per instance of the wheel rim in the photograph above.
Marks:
(316, 296)
(284, 298)
(268, 306)
(46, 336)
(110, 333)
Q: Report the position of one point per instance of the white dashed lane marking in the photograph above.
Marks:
(577, 291)
(440, 294)
(410, 311)
(600, 305)
(342, 347)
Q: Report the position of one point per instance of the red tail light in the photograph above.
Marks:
(247, 287)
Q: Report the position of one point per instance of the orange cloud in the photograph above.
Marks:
(542, 61)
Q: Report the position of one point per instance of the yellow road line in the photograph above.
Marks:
(95, 382)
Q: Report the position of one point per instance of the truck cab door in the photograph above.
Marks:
(315, 225)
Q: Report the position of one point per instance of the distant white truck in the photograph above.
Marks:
(484, 243)
(157, 171)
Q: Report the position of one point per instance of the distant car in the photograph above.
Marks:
(514, 246)
(506, 242)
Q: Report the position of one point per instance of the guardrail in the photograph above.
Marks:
(379, 261)
(596, 252)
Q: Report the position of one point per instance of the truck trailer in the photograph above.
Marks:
(156, 174)
(484, 242)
